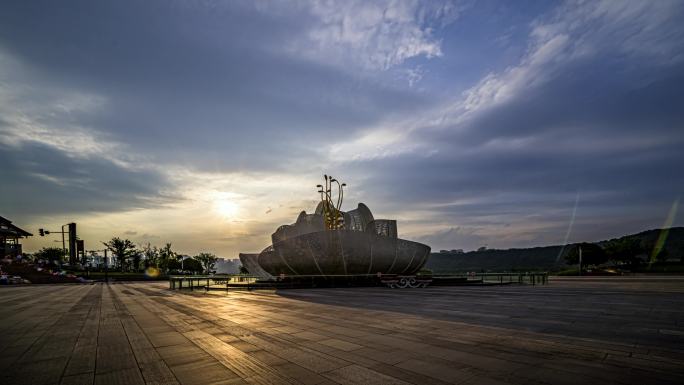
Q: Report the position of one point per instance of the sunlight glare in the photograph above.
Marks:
(226, 206)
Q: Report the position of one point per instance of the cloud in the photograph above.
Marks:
(464, 238)
(373, 35)
(141, 120)
(583, 111)
(57, 164)
(205, 86)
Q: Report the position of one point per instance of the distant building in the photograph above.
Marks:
(457, 251)
(444, 251)
(9, 238)
(227, 266)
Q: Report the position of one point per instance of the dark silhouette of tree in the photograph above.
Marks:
(207, 260)
(151, 255)
(625, 250)
(592, 254)
(166, 258)
(50, 254)
(123, 249)
(191, 264)
(243, 270)
(662, 255)
(137, 258)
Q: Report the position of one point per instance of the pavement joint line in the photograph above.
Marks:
(122, 307)
(252, 378)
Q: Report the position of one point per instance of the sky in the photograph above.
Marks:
(207, 124)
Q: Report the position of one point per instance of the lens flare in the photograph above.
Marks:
(572, 222)
(664, 231)
(152, 272)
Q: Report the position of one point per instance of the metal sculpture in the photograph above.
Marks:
(332, 215)
(333, 243)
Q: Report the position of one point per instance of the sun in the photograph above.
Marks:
(226, 208)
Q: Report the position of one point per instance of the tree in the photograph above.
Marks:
(151, 255)
(243, 270)
(624, 250)
(166, 256)
(191, 264)
(207, 260)
(122, 248)
(137, 258)
(661, 255)
(592, 254)
(50, 254)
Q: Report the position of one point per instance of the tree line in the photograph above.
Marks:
(129, 257)
(629, 252)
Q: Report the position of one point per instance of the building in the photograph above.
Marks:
(9, 238)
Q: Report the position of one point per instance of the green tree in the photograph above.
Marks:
(592, 254)
(123, 249)
(50, 254)
(207, 260)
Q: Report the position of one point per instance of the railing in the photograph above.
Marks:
(206, 282)
(532, 278)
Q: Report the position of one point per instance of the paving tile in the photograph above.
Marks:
(202, 373)
(355, 374)
(299, 374)
(141, 332)
(120, 377)
(78, 379)
(435, 370)
(267, 358)
(340, 344)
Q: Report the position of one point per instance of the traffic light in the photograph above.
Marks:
(41, 232)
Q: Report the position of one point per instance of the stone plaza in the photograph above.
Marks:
(572, 331)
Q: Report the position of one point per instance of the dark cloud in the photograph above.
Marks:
(40, 180)
(212, 83)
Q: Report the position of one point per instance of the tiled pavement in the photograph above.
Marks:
(570, 332)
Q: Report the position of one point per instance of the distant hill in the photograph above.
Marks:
(538, 258)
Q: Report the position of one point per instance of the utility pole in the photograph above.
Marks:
(580, 260)
(106, 267)
(72, 239)
(63, 243)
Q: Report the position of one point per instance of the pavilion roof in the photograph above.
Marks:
(7, 228)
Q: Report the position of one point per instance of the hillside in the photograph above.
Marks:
(539, 258)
